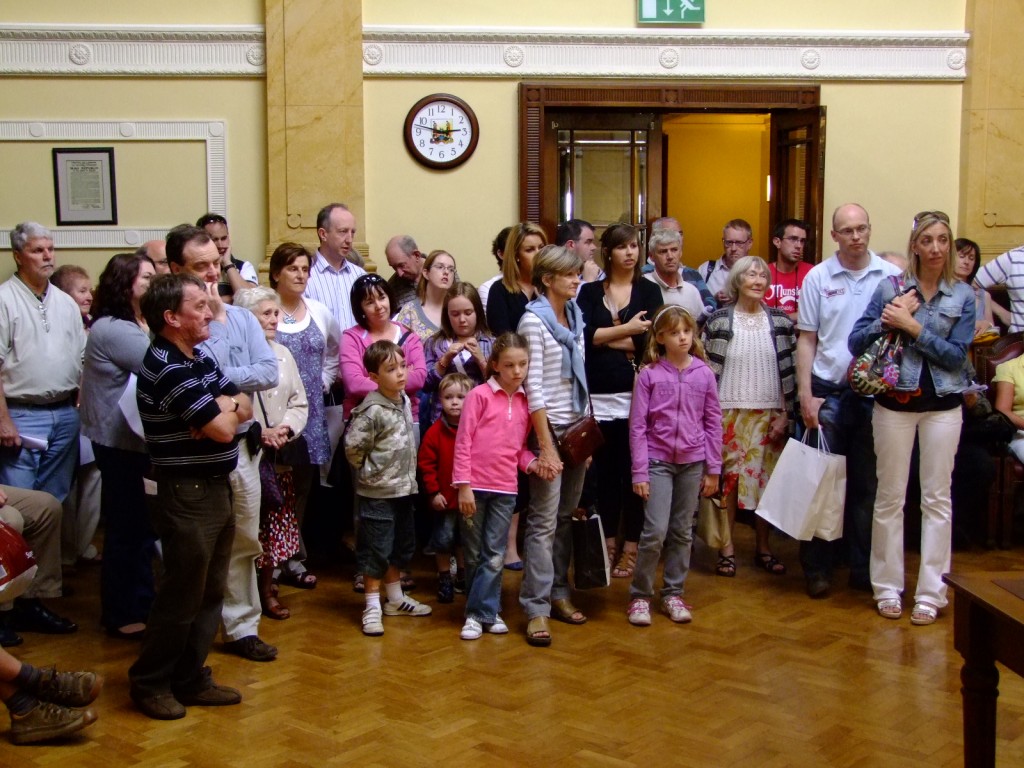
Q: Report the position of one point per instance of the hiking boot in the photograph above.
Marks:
(48, 721)
(68, 689)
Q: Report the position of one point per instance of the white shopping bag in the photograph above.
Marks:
(806, 492)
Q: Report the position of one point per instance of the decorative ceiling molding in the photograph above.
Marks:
(58, 131)
(399, 51)
(391, 51)
(147, 51)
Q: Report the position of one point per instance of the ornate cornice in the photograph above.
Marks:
(748, 54)
(393, 51)
(78, 49)
(212, 133)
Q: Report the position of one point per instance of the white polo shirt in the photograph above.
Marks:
(832, 299)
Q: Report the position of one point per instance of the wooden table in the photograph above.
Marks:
(988, 626)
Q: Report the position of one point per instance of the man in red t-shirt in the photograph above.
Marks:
(789, 269)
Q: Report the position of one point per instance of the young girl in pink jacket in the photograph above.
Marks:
(675, 436)
(489, 446)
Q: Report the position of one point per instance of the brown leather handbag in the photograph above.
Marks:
(581, 439)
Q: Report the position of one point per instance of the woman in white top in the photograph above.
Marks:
(750, 349)
(556, 391)
(310, 332)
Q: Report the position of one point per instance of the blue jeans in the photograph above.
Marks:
(845, 418)
(129, 543)
(484, 538)
(547, 543)
(196, 526)
(53, 469)
(669, 512)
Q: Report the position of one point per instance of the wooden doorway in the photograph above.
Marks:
(553, 115)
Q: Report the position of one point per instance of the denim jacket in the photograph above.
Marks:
(948, 329)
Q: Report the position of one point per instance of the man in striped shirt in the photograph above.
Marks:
(1008, 270)
(336, 264)
(190, 413)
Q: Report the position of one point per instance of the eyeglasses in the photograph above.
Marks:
(941, 216)
(795, 239)
(443, 269)
(211, 219)
(861, 229)
(736, 243)
(46, 322)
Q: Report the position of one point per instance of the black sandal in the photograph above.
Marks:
(770, 563)
(726, 565)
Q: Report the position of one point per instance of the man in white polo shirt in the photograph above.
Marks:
(834, 295)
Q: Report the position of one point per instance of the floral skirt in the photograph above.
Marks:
(279, 529)
(748, 456)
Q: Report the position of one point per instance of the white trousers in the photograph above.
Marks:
(939, 434)
(242, 609)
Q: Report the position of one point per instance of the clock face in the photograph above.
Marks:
(441, 131)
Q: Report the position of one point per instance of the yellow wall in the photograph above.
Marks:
(893, 148)
(717, 165)
(178, 13)
(731, 14)
(159, 184)
(460, 210)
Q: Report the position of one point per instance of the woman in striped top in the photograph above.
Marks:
(556, 391)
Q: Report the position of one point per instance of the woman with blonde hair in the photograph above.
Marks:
(934, 314)
(506, 301)
(750, 350)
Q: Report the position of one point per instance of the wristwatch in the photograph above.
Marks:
(231, 266)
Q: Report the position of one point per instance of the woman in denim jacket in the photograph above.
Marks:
(936, 320)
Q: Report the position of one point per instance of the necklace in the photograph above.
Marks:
(289, 317)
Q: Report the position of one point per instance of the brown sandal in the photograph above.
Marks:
(563, 610)
(273, 609)
(626, 565)
(537, 633)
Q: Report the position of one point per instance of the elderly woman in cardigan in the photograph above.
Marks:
(750, 349)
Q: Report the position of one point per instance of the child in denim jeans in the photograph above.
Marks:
(437, 452)
(380, 446)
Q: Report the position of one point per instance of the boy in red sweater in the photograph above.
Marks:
(437, 454)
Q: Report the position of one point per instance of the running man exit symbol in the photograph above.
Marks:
(670, 11)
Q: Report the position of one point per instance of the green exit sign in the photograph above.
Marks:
(670, 11)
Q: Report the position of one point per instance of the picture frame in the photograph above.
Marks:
(84, 186)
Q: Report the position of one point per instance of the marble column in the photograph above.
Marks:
(314, 116)
(992, 129)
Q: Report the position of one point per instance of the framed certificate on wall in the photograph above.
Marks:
(84, 186)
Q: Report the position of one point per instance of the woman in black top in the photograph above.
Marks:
(618, 312)
(506, 300)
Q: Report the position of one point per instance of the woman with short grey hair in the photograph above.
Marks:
(556, 390)
(750, 349)
(282, 412)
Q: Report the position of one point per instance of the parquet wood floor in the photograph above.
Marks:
(762, 677)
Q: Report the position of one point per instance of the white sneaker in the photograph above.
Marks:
(372, 624)
(409, 606)
(471, 630)
(499, 627)
(639, 612)
(676, 609)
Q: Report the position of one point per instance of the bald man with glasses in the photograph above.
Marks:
(834, 295)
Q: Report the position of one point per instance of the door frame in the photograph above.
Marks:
(538, 160)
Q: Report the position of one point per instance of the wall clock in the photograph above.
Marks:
(441, 131)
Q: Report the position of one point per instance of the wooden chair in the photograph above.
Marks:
(1009, 471)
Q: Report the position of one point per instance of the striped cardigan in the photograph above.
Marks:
(718, 333)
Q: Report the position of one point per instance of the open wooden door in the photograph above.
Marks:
(798, 170)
